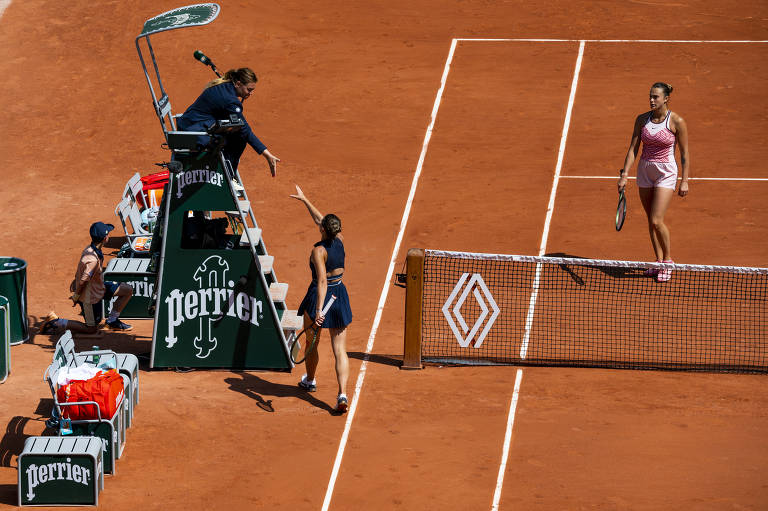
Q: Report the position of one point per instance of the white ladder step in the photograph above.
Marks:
(255, 234)
(278, 291)
(244, 205)
(266, 262)
(291, 321)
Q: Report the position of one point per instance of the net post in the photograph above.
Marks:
(413, 300)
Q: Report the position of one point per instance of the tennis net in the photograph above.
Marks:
(506, 309)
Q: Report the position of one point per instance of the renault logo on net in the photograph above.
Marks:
(483, 296)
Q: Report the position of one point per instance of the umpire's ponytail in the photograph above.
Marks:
(241, 74)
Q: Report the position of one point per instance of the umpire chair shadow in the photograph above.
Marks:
(256, 388)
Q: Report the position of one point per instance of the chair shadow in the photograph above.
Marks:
(256, 388)
(12, 442)
(9, 494)
(106, 339)
(116, 242)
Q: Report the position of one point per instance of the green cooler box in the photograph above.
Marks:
(5, 339)
(13, 286)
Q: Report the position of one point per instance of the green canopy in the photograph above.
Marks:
(188, 16)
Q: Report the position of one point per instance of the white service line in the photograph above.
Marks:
(551, 204)
(387, 285)
(689, 179)
(507, 440)
(664, 41)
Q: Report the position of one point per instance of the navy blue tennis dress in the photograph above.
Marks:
(340, 314)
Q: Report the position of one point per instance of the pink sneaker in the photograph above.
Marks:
(651, 272)
(664, 274)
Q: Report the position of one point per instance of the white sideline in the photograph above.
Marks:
(507, 440)
(387, 280)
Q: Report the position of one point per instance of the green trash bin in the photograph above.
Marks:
(5, 339)
(13, 286)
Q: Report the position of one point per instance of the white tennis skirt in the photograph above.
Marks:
(656, 174)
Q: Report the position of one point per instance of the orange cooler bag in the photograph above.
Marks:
(106, 389)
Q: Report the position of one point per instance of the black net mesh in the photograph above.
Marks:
(493, 309)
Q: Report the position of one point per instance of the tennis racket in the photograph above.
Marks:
(621, 210)
(310, 335)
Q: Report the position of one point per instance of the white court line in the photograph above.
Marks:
(535, 291)
(551, 205)
(686, 41)
(387, 280)
(689, 179)
(507, 440)
(3, 6)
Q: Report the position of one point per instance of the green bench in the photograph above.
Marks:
(111, 429)
(127, 364)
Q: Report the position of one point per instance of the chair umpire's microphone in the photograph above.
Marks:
(206, 61)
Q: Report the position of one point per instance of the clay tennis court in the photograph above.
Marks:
(345, 98)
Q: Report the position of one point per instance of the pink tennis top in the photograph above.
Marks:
(658, 141)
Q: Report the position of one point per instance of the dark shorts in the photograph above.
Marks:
(93, 313)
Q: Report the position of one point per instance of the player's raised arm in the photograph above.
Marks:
(316, 215)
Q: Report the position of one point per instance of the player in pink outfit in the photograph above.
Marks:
(659, 130)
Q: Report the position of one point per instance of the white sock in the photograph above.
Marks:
(342, 396)
(305, 380)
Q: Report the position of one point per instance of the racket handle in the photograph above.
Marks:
(328, 305)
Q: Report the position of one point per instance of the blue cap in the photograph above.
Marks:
(99, 230)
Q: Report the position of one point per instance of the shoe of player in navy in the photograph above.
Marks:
(342, 404)
(119, 325)
(309, 386)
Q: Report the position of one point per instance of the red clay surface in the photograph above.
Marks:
(344, 98)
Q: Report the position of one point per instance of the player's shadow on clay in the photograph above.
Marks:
(256, 388)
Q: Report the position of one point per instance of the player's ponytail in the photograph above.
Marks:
(667, 88)
(331, 225)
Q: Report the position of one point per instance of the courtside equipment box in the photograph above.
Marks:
(5, 339)
(61, 471)
(133, 271)
(13, 286)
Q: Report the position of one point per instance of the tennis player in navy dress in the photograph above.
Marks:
(327, 265)
(220, 99)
